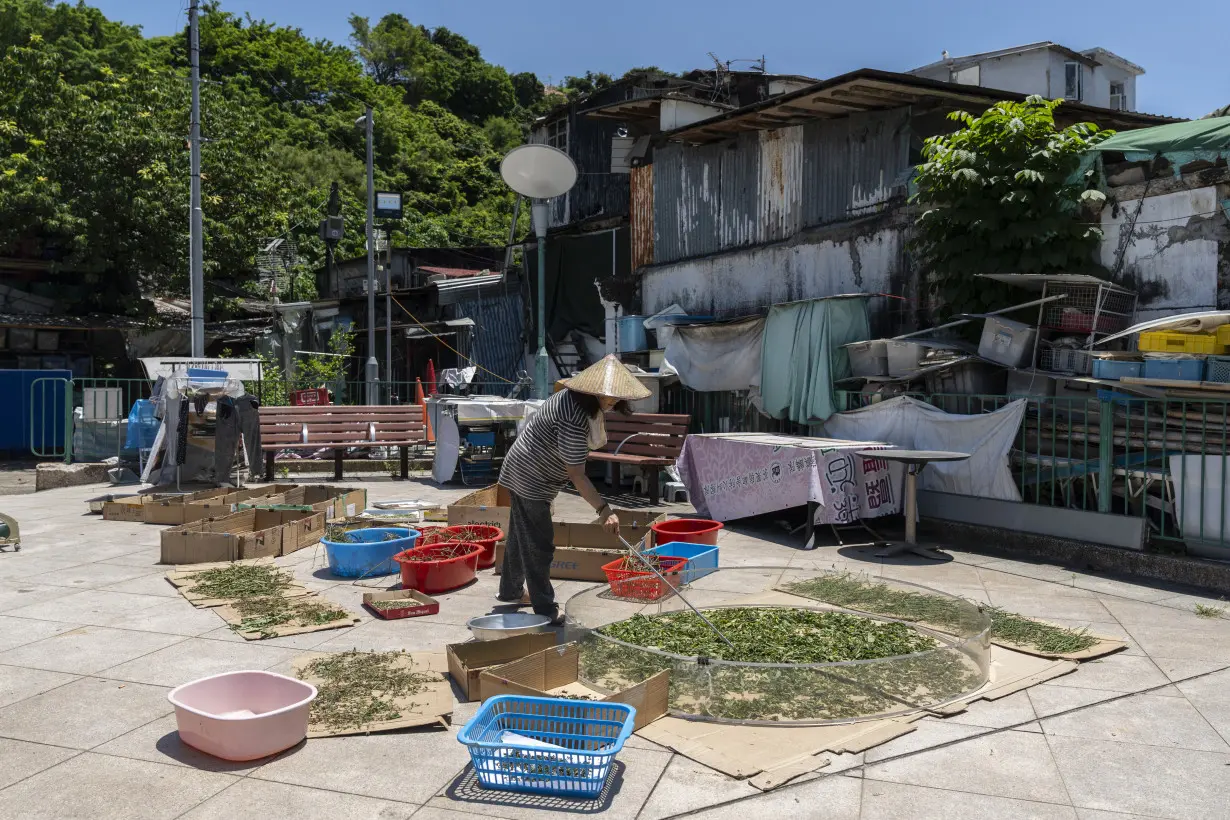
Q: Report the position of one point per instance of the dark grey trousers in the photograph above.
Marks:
(528, 553)
(237, 417)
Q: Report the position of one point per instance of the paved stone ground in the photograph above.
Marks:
(92, 638)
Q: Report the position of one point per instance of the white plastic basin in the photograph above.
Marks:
(242, 715)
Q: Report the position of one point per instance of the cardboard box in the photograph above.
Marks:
(466, 661)
(241, 535)
(334, 502)
(489, 506)
(205, 504)
(582, 549)
(412, 603)
(572, 563)
(131, 508)
(554, 672)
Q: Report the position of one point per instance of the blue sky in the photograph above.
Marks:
(1181, 46)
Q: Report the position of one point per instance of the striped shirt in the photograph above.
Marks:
(556, 437)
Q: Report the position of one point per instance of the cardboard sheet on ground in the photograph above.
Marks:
(231, 615)
(183, 580)
(432, 706)
(774, 755)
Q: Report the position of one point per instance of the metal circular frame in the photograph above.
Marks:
(713, 689)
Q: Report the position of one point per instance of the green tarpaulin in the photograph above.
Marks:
(803, 354)
(1211, 136)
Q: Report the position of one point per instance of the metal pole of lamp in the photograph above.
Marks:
(373, 367)
(540, 214)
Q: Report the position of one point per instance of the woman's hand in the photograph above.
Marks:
(611, 524)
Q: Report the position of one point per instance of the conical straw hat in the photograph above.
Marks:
(609, 377)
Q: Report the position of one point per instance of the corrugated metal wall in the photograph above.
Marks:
(498, 321)
(781, 178)
(641, 185)
(851, 163)
(765, 186)
(739, 192)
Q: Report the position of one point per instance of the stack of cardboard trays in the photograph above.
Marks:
(580, 549)
(260, 525)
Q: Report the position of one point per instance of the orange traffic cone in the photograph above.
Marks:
(421, 401)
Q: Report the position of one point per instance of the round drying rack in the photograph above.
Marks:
(713, 689)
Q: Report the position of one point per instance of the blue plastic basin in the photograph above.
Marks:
(369, 554)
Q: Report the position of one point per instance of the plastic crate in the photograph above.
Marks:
(1217, 369)
(702, 558)
(546, 745)
(641, 584)
(1171, 341)
(1116, 369)
(1188, 370)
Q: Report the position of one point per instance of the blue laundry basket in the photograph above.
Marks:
(369, 554)
(546, 745)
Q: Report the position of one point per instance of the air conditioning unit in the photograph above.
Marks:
(1118, 102)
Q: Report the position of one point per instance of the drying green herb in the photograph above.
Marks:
(949, 614)
(1053, 640)
(356, 689)
(397, 603)
(265, 615)
(241, 581)
(338, 534)
(787, 693)
(772, 635)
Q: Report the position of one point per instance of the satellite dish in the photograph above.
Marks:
(538, 171)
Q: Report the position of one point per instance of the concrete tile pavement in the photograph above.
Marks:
(85, 728)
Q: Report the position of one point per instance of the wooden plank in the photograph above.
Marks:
(1218, 387)
(345, 425)
(668, 418)
(632, 460)
(680, 430)
(326, 445)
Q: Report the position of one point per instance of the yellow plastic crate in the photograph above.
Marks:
(1223, 335)
(1170, 341)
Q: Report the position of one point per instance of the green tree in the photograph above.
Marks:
(1004, 194)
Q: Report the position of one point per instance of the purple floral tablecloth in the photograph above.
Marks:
(735, 475)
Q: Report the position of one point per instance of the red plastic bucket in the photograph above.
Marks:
(691, 530)
(481, 534)
(440, 575)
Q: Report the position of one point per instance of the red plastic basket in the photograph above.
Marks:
(441, 575)
(642, 584)
(479, 534)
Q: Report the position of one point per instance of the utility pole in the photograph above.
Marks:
(196, 273)
(373, 367)
(388, 311)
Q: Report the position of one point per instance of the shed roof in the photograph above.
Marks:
(870, 89)
(1211, 135)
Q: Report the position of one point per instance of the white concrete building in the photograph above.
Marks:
(1094, 76)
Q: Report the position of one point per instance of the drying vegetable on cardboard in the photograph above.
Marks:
(549, 453)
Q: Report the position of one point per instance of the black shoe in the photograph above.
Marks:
(559, 620)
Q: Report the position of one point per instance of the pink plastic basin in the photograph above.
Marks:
(243, 715)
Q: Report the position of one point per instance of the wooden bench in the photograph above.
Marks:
(649, 441)
(341, 427)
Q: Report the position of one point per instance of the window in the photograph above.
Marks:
(1072, 81)
(557, 134)
(1118, 97)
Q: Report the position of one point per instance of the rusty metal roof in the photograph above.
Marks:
(870, 89)
(645, 108)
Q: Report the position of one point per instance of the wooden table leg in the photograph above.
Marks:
(269, 465)
(338, 455)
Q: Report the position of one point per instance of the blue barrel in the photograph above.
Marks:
(632, 334)
(369, 553)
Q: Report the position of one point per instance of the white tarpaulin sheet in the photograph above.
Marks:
(915, 425)
(717, 357)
